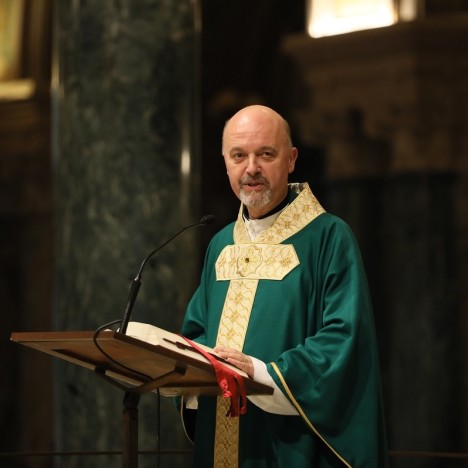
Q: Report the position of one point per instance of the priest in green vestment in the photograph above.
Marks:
(284, 297)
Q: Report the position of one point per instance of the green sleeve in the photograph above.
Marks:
(332, 377)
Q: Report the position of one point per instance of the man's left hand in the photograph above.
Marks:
(237, 358)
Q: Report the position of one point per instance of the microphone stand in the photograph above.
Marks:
(136, 282)
(132, 395)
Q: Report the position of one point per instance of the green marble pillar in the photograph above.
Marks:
(126, 172)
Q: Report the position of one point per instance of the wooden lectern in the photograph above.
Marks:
(136, 367)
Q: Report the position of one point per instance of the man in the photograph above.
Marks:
(283, 296)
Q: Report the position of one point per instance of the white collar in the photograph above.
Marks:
(256, 227)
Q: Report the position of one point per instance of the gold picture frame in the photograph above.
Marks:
(11, 38)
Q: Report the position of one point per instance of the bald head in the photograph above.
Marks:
(257, 113)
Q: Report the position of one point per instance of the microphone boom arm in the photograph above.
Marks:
(136, 282)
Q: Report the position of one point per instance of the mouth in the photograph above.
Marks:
(251, 184)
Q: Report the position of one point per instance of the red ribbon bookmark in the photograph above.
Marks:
(230, 382)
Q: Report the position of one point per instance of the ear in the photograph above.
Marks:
(292, 159)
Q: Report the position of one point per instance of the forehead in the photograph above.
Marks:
(253, 132)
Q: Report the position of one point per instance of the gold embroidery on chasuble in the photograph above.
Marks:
(255, 261)
(244, 264)
(231, 333)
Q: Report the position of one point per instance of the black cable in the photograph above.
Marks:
(98, 346)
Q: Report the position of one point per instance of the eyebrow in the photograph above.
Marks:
(235, 148)
(269, 148)
(262, 148)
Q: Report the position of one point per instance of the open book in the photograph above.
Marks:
(171, 341)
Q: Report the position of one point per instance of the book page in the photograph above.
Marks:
(160, 337)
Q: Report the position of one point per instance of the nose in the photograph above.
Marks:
(253, 166)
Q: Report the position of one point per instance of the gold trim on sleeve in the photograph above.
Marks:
(303, 415)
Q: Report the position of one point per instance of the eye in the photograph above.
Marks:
(237, 156)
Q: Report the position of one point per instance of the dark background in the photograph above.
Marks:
(241, 61)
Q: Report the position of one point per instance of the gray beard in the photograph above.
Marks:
(255, 199)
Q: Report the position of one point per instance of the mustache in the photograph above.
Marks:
(252, 179)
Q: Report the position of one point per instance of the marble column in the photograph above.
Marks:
(388, 107)
(126, 178)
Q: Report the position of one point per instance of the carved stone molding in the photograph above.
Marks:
(406, 82)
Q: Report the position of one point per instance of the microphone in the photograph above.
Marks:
(136, 283)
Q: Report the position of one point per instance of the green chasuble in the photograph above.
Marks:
(309, 318)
